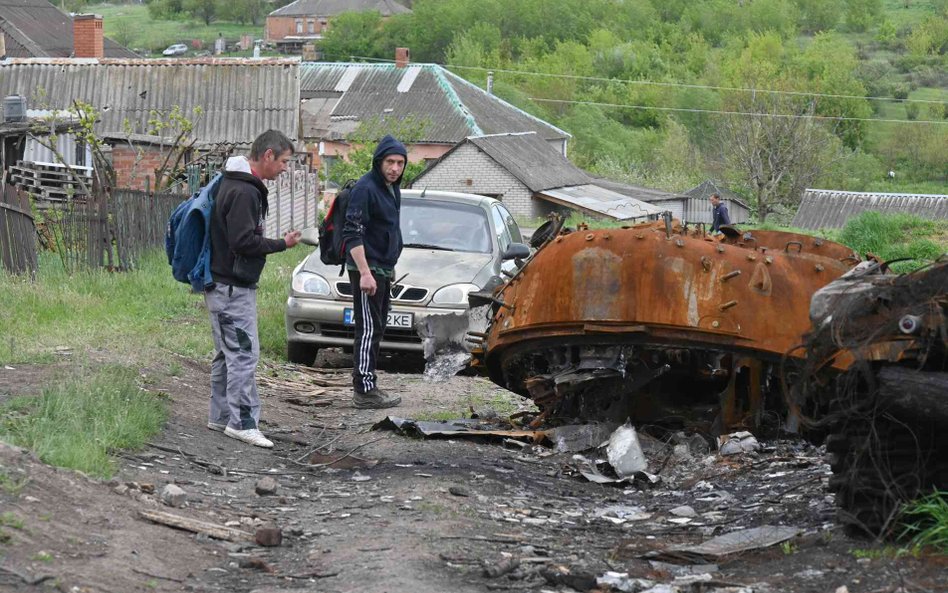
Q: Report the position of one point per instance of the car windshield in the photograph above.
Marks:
(445, 225)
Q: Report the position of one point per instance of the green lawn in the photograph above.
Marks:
(132, 26)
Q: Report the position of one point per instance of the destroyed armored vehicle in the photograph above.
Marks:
(656, 321)
(887, 415)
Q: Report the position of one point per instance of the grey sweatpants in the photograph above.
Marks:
(234, 398)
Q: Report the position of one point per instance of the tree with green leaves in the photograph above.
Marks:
(244, 11)
(354, 35)
(364, 140)
(773, 145)
(205, 10)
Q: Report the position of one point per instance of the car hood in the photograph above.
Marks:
(426, 268)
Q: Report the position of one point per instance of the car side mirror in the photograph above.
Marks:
(310, 236)
(516, 251)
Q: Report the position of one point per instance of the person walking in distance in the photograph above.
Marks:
(719, 215)
(238, 254)
(373, 240)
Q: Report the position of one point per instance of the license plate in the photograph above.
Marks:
(396, 319)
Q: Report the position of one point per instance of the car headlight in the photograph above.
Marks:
(453, 294)
(309, 283)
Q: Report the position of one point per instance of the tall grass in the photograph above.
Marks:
(130, 320)
(78, 422)
(895, 236)
(134, 315)
(137, 316)
(926, 521)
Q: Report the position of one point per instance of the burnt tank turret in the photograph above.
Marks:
(631, 322)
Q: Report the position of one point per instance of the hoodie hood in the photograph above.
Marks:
(238, 168)
(387, 145)
(238, 164)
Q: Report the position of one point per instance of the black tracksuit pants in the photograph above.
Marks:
(370, 314)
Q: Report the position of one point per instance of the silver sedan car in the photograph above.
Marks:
(454, 244)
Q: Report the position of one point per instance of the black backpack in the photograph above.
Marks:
(332, 247)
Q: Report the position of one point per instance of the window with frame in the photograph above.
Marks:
(512, 227)
(299, 25)
(500, 227)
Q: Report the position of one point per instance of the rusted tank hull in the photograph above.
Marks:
(611, 314)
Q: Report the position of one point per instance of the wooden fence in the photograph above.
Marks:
(91, 231)
(17, 233)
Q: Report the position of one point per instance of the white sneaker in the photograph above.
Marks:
(217, 427)
(251, 435)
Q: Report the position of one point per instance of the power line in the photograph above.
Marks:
(672, 84)
(694, 86)
(746, 113)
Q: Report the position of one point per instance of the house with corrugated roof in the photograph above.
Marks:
(832, 209)
(530, 175)
(300, 22)
(37, 29)
(228, 100)
(337, 98)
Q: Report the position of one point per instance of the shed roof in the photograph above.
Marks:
(825, 208)
(37, 29)
(334, 7)
(704, 190)
(639, 192)
(451, 109)
(597, 200)
(239, 97)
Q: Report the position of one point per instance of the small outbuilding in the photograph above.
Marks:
(532, 178)
(694, 205)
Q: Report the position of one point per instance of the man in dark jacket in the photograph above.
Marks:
(373, 241)
(719, 215)
(238, 253)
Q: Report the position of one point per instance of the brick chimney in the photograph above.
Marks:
(87, 41)
(402, 57)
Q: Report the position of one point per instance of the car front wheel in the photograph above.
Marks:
(301, 353)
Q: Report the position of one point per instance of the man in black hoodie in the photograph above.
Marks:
(238, 253)
(373, 240)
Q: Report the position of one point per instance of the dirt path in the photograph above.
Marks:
(429, 516)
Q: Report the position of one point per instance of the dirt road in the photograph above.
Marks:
(417, 515)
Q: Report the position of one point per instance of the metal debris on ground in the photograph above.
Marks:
(737, 443)
(462, 427)
(624, 452)
(734, 542)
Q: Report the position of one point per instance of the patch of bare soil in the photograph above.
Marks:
(395, 513)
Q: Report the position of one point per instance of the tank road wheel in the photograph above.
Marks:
(301, 353)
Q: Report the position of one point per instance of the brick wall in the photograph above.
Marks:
(278, 27)
(132, 175)
(87, 36)
(469, 170)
